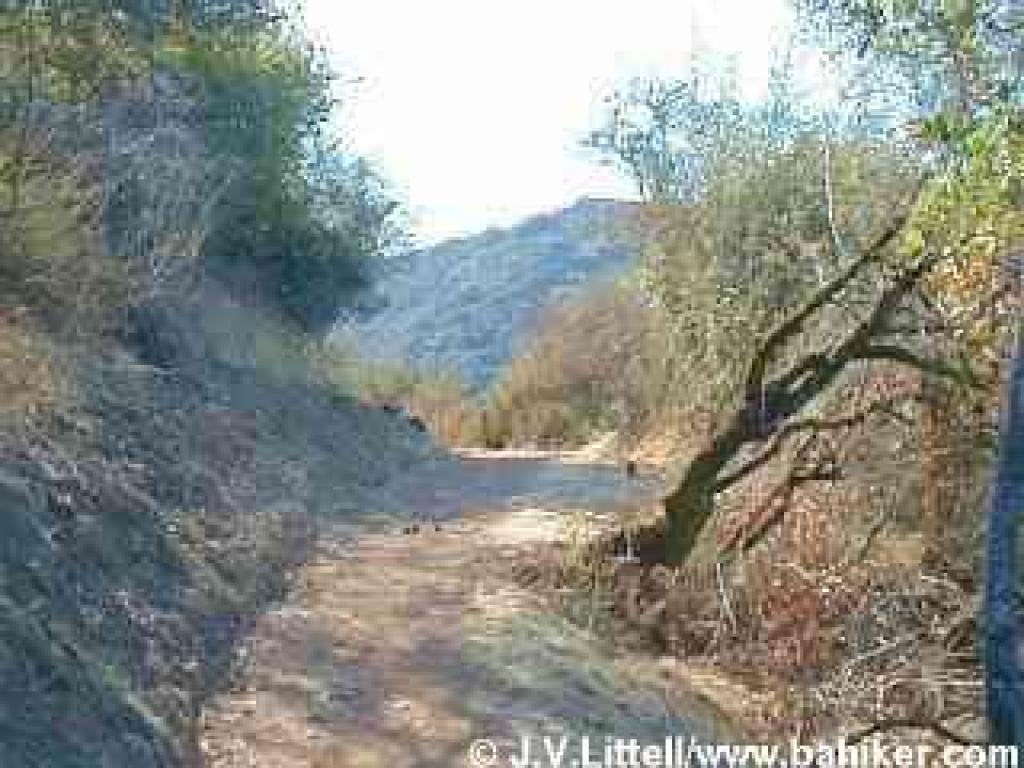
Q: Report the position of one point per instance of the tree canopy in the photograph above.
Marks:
(289, 217)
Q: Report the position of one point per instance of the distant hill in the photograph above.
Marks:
(467, 303)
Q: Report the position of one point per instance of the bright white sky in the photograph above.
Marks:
(474, 109)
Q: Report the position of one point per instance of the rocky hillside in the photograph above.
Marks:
(467, 303)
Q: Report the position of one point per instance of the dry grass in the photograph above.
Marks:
(29, 379)
(824, 649)
(851, 609)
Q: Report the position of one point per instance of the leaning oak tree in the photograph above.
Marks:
(775, 395)
(811, 267)
(752, 231)
(901, 299)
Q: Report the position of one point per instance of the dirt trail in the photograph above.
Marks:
(399, 650)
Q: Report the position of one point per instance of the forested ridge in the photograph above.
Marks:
(465, 306)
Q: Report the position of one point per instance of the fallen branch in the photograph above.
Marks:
(724, 595)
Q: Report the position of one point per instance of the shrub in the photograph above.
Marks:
(596, 363)
(297, 221)
(439, 398)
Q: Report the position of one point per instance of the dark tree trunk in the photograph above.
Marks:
(691, 504)
(1004, 681)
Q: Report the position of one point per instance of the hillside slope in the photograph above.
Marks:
(152, 517)
(467, 303)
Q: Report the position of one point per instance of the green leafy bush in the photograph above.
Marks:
(296, 220)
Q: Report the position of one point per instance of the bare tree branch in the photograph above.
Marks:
(794, 323)
(808, 425)
(935, 367)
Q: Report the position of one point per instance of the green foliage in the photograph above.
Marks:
(955, 54)
(241, 179)
(297, 221)
(778, 206)
(963, 59)
(766, 259)
(975, 212)
(65, 54)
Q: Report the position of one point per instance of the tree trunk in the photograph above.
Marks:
(770, 402)
(1004, 680)
(689, 507)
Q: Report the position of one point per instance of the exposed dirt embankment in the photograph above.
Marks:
(148, 518)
